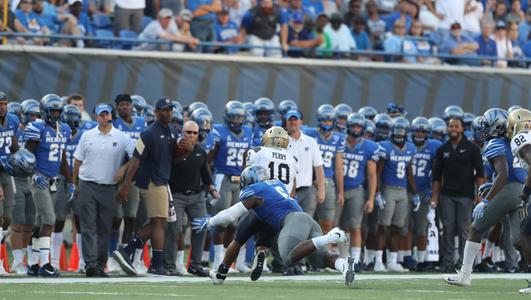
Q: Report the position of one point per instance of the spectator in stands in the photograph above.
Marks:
(164, 28)
(100, 6)
(517, 47)
(359, 33)
(315, 7)
(325, 49)
(500, 12)
(259, 25)
(516, 15)
(524, 28)
(296, 7)
(227, 32)
(458, 44)
(421, 45)
(395, 43)
(202, 25)
(402, 13)
(31, 21)
(340, 35)
(526, 48)
(75, 23)
(79, 101)
(236, 10)
(375, 25)
(50, 21)
(487, 46)
(354, 11)
(13, 24)
(452, 11)
(301, 35)
(472, 18)
(386, 6)
(503, 44)
(428, 16)
(128, 15)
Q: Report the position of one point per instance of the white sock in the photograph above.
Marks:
(18, 256)
(138, 255)
(322, 241)
(379, 256)
(343, 249)
(241, 255)
(356, 253)
(368, 257)
(400, 256)
(33, 255)
(421, 256)
(180, 258)
(392, 258)
(488, 249)
(79, 243)
(340, 264)
(206, 256)
(44, 247)
(57, 242)
(407, 253)
(218, 253)
(471, 249)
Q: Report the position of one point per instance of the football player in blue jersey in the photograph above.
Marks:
(283, 107)
(250, 113)
(468, 119)
(369, 130)
(265, 108)
(394, 169)
(15, 108)
(359, 161)
(395, 110)
(382, 124)
(503, 197)
(332, 146)
(139, 103)
(133, 125)
(47, 140)
(232, 140)
(439, 129)
(23, 209)
(299, 236)
(342, 111)
(421, 167)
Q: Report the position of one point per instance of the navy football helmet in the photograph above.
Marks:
(477, 130)
(264, 112)
(71, 115)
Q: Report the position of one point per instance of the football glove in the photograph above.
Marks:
(524, 200)
(479, 209)
(4, 163)
(415, 200)
(40, 181)
(380, 201)
(71, 191)
(200, 224)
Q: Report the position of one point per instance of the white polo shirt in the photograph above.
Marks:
(102, 154)
(131, 4)
(307, 150)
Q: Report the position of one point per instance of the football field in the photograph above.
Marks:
(366, 286)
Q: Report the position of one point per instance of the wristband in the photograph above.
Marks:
(527, 190)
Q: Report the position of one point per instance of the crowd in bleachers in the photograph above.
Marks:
(411, 31)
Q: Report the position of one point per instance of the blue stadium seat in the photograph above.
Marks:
(128, 35)
(102, 21)
(145, 21)
(106, 34)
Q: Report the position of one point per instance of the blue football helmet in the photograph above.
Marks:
(203, 118)
(23, 162)
(421, 125)
(49, 96)
(48, 106)
(139, 103)
(399, 130)
(453, 112)
(368, 112)
(477, 130)
(494, 123)
(395, 110)
(177, 119)
(382, 123)
(71, 115)
(439, 129)
(264, 112)
(325, 113)
(250, 113)
(15, 108)
(468, 118)
(149, 114)
(370, 128)
(356, 119)
(234, 115)
(30, 110)
(285, 105)
(196, 105)
(342, 111)
(177, 106)
(253, 174)
(26, 102)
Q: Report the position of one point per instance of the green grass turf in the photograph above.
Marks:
(363, 289)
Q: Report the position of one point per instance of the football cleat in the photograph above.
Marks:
(140, 267)
(339, 236)
(197, 270)
(258, 265)
(379, 267)
(113, 266)
(526, 290)
(396, 267)
(348, 271)
(48, 271)
(181, 270)
(242, 267)
(219, 276)
(121, 256)
(33, 270)
(458, 279)
(156, 272)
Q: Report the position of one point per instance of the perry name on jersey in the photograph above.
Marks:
(518, 142)
(276, 201)
(133, 130)
(500, 147)
(329, 147)
(355, 162)
(422, 163)
(229, 157)
(397, 162)
(7, 131)
(281, 164)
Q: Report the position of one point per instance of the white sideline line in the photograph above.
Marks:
(66, 279)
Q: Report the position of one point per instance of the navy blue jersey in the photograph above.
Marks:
(329, 147)
(355, 162)
(133, 130)
(229, 158)
(258, 132)
(501, 147)
(277, 203)
(7, 131)
(51, 145)
(396, 163)
(422, 163)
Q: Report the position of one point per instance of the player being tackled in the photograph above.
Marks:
(299, 236)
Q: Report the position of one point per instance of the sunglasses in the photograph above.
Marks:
(191, 132)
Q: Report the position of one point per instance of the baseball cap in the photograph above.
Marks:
(297, 17)
(102, 107)
(165, 13)
(186, 15)
(72, 2)
(164, 103)
(123, 97)
(293, 113)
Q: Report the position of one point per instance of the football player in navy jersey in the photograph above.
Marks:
(265, 108)
(394, 169)
(332, 145)
(47, 140)
(232, 140)
(421, 166)
(359, 161)
(503, 197)
(299, 236)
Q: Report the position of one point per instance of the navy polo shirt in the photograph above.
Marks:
(486, 48)
(154, 148)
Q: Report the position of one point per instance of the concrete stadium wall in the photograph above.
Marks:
(31, 72)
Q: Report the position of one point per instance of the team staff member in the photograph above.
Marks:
(150, 168)
(188, 178)
(99, 155)
(458, 167)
